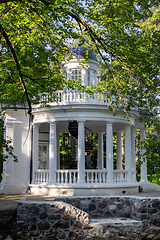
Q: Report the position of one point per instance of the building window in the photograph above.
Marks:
(94, 74)
(43, 157)
(89, 79)
(76, 74)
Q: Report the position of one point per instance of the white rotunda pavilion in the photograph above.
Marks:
(81, 114)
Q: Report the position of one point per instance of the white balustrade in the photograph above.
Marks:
(66, 176)
(75, 96)
(96, 176)
(120, 175)
(41, 176)
(69, 176)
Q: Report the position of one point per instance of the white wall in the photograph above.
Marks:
(16, 178)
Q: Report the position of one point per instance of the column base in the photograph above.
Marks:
(81, 182)
(52, 182)
(149, 187)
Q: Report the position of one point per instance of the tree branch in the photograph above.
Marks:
(4, 34)
(94, 36)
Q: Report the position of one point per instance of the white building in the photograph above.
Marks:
(38, 167)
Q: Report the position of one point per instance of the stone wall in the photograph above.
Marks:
(51, 220)
(145, 209)
(69, 218)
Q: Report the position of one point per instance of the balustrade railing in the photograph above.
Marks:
(96, 176)
(41, 176)
(120, 175)
(75, 96)
(66, 176)
(70, 176)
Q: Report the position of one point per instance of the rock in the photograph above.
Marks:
(43, 215)
(55, 216)
(71, 234)
(33, 227)
(92, 207)
(43, 225)
(112, 207)
(22, 217)
(102, 205)
(156, 203)
(61, 235)
(77, 224)
(66, 217)
(151, 237)
(33, 210)
(61, 224)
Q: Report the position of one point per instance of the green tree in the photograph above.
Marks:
(152, 146)
(35, 36)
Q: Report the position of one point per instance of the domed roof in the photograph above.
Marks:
(81, 53)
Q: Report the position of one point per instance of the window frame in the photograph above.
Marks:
(40, 164)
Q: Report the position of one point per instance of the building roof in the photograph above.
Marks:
(81, 53)
(143, 111)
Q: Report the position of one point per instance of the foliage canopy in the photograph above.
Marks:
(36, 34)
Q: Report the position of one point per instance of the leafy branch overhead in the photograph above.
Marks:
(36, 35)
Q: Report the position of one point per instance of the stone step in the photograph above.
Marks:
(114, 222)
(114, 228)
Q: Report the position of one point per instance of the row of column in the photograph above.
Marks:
(130, 163)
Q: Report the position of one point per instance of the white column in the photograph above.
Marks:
(144, 164)
(52, 153)
(83, 76)
(81, 153)
(35, 148)
(133, 154)
(119, 151)
(91, 77)
(58, 151)
(69, 75)
(128, 159)
(109, 151)
(100, 151)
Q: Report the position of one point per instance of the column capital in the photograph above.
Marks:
(36, 124)
(52, 122)
(100, 132)
(142, 129)
(81, 121)
(119, 131)
(127, 126)
(110, 122)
